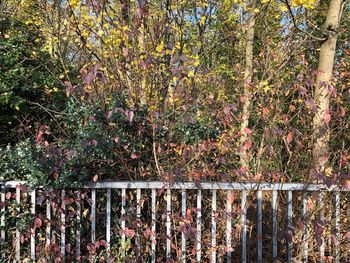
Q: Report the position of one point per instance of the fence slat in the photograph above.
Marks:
(305, 232)
(108, 220)
(154, 220)
(213, 226)
(78, 231)
(138, 217)
(18, 234)
(259, 199)
(183, 237)
(337, 226)
(48, 227)
(2, 221)
(274, 225)
(199, 225)
(348, 227)
(32, 236)
(244, 225)
(168, 223)
(334, 246)
(93, 216)
(123, 221)
(63, 224)
(290, 224)
(229, 224)
(322, 246)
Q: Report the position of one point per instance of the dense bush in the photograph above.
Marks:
(102, 142)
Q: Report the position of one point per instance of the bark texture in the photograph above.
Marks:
(322, 116)
(248, 94)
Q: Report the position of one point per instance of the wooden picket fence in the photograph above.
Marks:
(212, 190)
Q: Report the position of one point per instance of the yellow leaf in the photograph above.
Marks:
(202, 20)
(191, 74)
(328, 171)
(17, 107)
(284, 8)
(160, 47)
(100, 33)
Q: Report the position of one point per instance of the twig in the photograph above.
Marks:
(295, 24)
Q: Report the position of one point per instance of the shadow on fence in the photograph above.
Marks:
(149, 222)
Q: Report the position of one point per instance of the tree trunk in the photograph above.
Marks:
(323, 81)
(248, 95)
(142, 47)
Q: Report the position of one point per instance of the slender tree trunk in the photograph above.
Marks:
(248, 95)
(141, 6)
(324, 76)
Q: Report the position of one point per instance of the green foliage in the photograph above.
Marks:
(28, 76)
(24, 161)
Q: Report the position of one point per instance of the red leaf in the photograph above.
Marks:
(8, 195)
(346, 184)
(130, 115)
(231, 198)
(347, 235)
(143, 64)
(116, 139)
(147, 232)
(37, 222)
(265, 111)
(226, 110)
(327, 118)
(129, 232)
(94, 142)
(289, 137)
(247, 144)
(133, 156)
(342, 112)
(125, 51)
(194, 251)
(247, 131)
(95, 178)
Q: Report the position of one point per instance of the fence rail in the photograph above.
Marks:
(245, 190)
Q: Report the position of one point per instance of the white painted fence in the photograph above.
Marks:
(245, 189)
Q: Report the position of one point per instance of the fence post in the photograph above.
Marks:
(337, 226)
(154, 219)
(93, 216)
(108, 221)
(229, 224)
(244, 225)
(199, 225)
(2, 221)
(259, 197)
(32, 236)
(183, 213)
(123, 222)
(168, 223)
(305, 232)
(78, 233)
(18, 234)
(213, 226)
(138, 217)
(290, 224)
(274, 225)
(63, 226)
